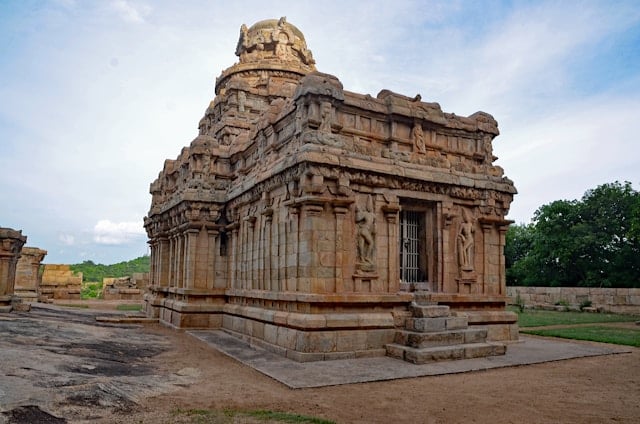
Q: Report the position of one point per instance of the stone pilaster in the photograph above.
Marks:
(391, 216)
(27, 283)
(340, 212)
(11, 242)
(212, 238)
(190, 258)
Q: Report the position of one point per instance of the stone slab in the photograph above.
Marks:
(297, 375)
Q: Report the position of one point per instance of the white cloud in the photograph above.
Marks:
(66, 239)
(130, 12)
(107, 232)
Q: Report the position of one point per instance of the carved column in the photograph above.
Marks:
(486, 248)
(250, 263)
(393, 272)
(233, 263)
(267, 250)
(11, 242)
(153, 266)
(276, 248)
(292, 250)
(242, 252)
(212, 238)
(163, 262)
(172, 261)
(179, 260)
(340, 211)
(190, 254)
(502, 231)
(27, 281)
(447, 251)
(308, 254)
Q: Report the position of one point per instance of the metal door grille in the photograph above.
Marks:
(410, 231)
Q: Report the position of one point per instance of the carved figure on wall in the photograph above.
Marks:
(417, 136)
(465, 241)
(488, 150)
(243, 42)
(242, 99)
(366, 226)
(325, 118)
(298, 118)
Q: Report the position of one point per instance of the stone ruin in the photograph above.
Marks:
(125, 288)
(11, 242)
(60, 282)
(28, 276)
(321, 223)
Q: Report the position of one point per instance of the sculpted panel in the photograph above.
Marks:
(365, 218)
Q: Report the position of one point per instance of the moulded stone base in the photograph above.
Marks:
(309, 346)
(444, 353)
(181, 315)
(27, 295)
(500, 325)
(65, 293)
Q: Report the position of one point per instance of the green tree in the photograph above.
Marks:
(96, 272)
(518, 246)
(593, 242)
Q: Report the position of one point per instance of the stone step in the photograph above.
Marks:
(444, 353)
(429, 311)
(430, 325)
(440, 338)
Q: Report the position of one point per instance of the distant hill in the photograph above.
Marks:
(96, 272)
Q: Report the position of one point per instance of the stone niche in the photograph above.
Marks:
(11, 242)
(320, 223)
(28, 274)
(60, 282)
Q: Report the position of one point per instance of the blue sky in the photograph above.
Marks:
(97, 94)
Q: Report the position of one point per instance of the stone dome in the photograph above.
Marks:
(270, 24)
(273, 40)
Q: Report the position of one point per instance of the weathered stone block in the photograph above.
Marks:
(456, 323)
(351, 340)
(445, 338)
(377, 339)
(286, 338)
(427, 324)
(479, 350)
(475, 335)
(423, 356)
(395, 350)
(429, 311)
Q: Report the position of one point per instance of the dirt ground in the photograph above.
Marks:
(586, 390)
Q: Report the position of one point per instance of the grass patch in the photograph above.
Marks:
(74, 305)
(205, 416)
(596, 333)
(540, 318)
(91, 290)
(285, 417)
(129, 307)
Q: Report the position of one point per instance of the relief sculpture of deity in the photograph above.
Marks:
(366, 226)
(325, 118)
(417, 136)
(465, 242)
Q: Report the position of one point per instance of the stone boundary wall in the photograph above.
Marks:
(621, 301)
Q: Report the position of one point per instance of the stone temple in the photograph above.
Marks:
(322, 224)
